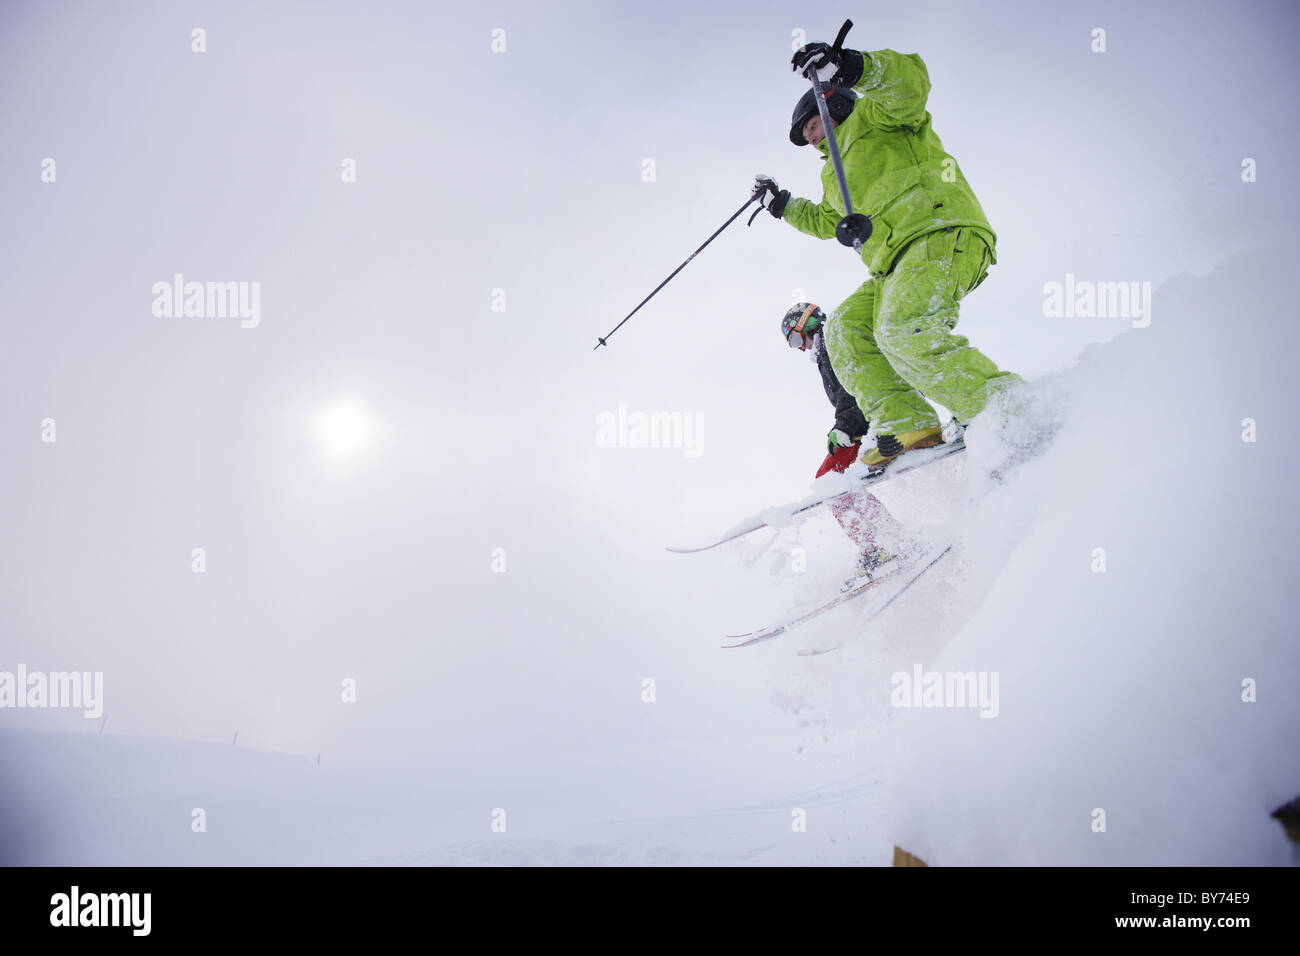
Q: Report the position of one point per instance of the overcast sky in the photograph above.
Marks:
(515, 178)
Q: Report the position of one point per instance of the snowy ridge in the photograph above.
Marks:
(1120, 690)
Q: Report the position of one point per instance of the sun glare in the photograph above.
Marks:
(344, 428)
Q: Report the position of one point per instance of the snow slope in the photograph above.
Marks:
(80, 799)
(1122, 689)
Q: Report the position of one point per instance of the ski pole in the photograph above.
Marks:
(602, 341)
(854, 229)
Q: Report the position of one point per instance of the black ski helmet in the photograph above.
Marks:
(839, 103)
(802, 318)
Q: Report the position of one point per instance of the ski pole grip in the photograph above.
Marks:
(844, 32)
(837, 46)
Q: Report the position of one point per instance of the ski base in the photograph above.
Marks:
(900, 466)
(767, 633)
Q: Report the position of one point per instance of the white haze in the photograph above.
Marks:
(522, 172)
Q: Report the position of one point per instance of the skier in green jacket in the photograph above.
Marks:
(891, 342)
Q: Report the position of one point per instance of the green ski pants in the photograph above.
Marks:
(891, 342)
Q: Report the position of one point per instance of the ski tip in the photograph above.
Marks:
(757, 637)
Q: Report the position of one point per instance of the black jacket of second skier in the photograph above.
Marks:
(848, 417)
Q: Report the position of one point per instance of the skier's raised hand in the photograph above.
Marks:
(766, 186)
(836, 67)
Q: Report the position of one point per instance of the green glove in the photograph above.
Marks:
(838, 439)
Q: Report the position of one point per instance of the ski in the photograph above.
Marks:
(901, 466)
(767, 633)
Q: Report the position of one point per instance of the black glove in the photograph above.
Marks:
(848, 63)
(765, 185)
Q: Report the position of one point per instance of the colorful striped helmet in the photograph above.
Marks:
(802, 318)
